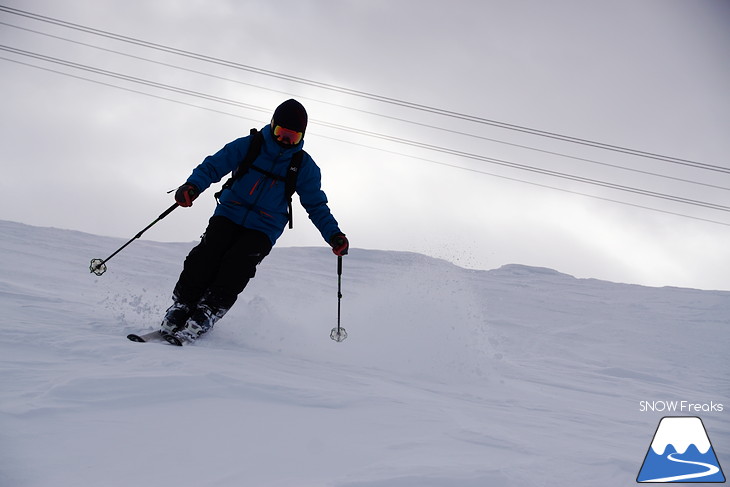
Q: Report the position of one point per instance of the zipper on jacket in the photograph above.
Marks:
(258, 196)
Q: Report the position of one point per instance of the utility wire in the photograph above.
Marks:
(130, 90)
(452, 166)
(398, 119)
(364, 94)
(525, 167)
(132, 79)
(400, 140)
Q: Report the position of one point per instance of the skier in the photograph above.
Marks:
(250, 217)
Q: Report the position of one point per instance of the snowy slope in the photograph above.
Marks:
(450, 377)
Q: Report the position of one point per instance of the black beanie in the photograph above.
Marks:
(291, 115)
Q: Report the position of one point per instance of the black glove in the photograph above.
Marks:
(339, 244)
(185, 194)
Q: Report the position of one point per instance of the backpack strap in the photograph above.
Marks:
(290, 180)
(257, 140)
(290, 184)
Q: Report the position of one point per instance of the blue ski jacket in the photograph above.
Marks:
(257, 201)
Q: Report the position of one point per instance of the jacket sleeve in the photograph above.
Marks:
(215, 167)
(314, 200)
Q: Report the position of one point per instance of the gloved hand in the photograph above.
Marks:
(185, 194)
(339, 244)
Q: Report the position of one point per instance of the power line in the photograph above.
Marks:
(391, 138)
(532, 183)
(132, 79)
(398, 119)
(533, 169)
(431, 161)
(366, 95)
(130, 90)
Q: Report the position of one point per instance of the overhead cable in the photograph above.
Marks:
(371, 113)
(366, 95)
(381, 136)
(378, 148)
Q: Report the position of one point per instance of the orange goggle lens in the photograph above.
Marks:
(287, 136)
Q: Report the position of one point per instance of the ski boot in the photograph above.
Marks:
(175, 318)
(202, 319)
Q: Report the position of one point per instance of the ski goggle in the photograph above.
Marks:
(287, 136)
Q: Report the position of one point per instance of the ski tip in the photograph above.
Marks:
(135, 338)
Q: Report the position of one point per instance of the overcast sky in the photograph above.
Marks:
(97, 153)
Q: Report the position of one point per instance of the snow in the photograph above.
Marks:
(688, 429)
(518, 376)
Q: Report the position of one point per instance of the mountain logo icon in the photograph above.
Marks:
(680, 452)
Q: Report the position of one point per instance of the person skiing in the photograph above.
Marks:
(250, 216)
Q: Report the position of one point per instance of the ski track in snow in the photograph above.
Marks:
(711, 470)
(518, 376)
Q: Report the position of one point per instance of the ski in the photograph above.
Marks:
(155, 336)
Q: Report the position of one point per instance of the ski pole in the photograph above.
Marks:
(98, 266)
(338, 333)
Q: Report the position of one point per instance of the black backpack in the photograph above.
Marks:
(290, 180)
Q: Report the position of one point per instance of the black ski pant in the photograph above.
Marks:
(220, 266)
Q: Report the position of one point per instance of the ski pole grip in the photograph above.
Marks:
(339, 265)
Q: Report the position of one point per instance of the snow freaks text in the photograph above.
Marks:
(680, 407)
